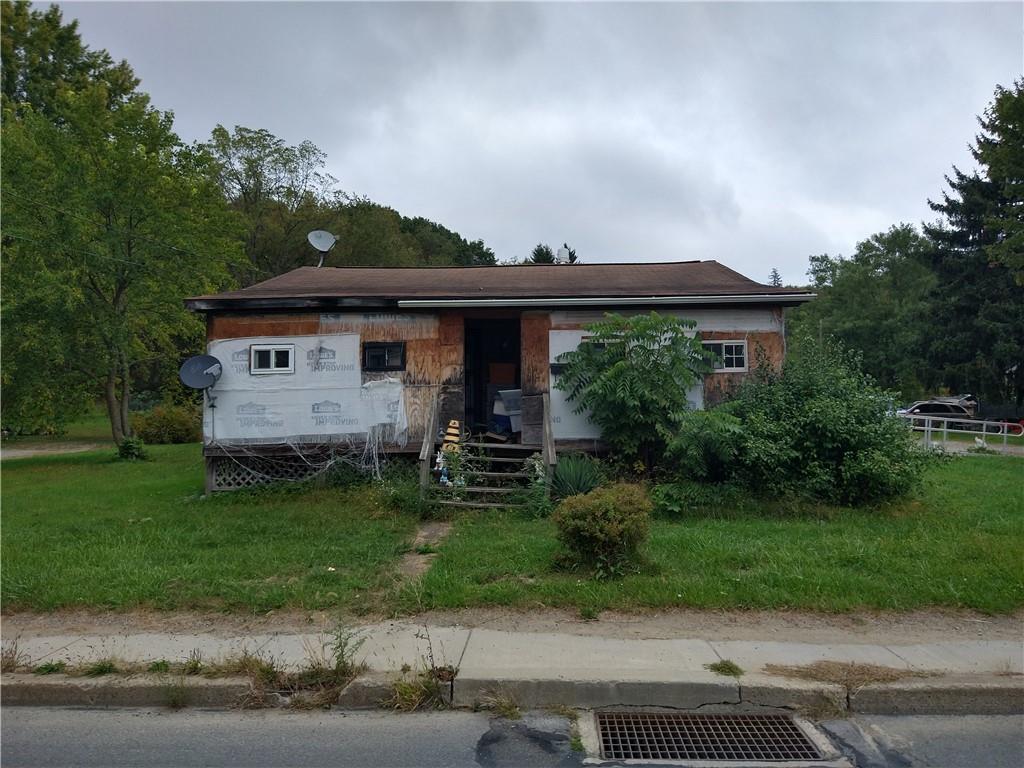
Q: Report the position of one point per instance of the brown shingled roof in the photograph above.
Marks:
(339, 285)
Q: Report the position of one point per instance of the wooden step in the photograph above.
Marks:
(491, 489)
(513, 475)
(506, 446)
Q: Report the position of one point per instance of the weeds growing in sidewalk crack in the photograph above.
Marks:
(50, 668)
(725, 667)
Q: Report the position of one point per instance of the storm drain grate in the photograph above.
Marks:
(679, 736)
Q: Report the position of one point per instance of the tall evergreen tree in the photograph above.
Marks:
(976, 337)
(542, 254)
(775, 278)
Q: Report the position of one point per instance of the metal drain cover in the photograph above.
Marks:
(680, 736)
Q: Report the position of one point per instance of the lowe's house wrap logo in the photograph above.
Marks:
(328, 413)
(252, 414)
(240, 361)
(324, 359)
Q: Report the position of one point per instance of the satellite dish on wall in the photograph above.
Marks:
(323, 241)
(200, 372)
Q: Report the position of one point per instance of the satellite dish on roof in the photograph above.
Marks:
(323, 241)
(200, 372)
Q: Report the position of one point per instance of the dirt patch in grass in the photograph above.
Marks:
(423, 550)
(851, 675)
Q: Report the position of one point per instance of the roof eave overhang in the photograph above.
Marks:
(214, 304)
(604, 301)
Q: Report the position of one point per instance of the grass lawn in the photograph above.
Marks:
(92, 427)
(85, 530)
(959, 542)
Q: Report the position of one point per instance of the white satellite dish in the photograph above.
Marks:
(323, 241)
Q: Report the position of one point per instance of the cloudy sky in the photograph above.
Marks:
(754, 134)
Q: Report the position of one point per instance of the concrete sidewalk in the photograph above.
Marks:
(544, 668)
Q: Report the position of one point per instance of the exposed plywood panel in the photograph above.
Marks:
(535, 328)
(249, 326)
(724, 318)
(382, 326)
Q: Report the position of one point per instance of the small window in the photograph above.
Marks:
(271, 358)
(384, 356)
(730, 356)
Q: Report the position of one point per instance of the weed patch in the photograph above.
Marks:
(725, 667)
(11, 656)
(500, 702)
(100, 668)
(850, 675)
(50, 668)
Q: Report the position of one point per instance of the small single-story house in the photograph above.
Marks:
(319, 356)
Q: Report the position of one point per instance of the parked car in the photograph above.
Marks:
(958, 410)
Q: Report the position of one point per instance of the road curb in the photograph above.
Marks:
(958, 694)
(110, 691)
(949, 695)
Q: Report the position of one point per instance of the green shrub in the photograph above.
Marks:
(575, 473)
(132, 449)
(823, 429)
(704, 446)
(605, 528)
(685, 497)
(169, 424)
(400, 484)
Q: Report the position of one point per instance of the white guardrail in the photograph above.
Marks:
(940, 427)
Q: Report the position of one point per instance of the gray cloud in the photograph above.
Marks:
(756, 134)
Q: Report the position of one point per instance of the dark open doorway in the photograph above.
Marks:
(492, 364)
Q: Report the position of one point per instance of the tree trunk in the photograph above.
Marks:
(126, 387)
(113, 407)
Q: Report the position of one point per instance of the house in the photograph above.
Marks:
(324, 356)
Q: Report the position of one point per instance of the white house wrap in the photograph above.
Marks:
(321, 398)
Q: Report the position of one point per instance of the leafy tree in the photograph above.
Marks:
(282, 192)
(41, 57)
(775, 278)
(976, 333)
(108, 222)
(632, 374)
(439, 245)
(542, 254)
(876, 302)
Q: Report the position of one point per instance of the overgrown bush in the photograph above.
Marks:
(400, 484)
(822, 428)
(132, 449)
(685, 497)
(605, 528)
(167, 424)
(704, 446)
(632, 376)
(575, 473)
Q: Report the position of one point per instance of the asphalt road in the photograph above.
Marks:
(151, 738)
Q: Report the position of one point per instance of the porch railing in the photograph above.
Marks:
(548, 453)
(427, 448)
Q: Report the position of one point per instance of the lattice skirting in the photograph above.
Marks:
(230, 473)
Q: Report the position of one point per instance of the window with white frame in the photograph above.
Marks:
(730, 356)
(271, 358)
